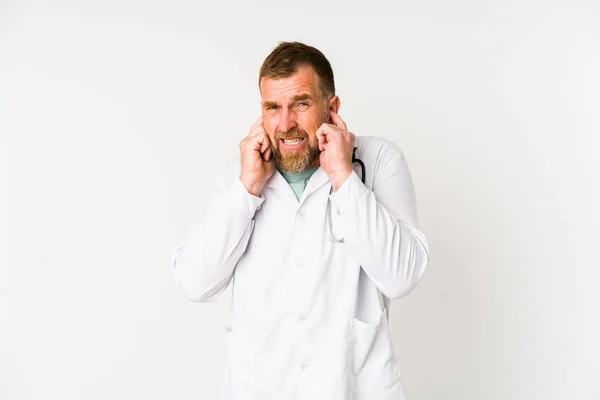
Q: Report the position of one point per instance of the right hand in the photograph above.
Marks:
(257, 159)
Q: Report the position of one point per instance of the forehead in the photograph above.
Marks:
(304, 81)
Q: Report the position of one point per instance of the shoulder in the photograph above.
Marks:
(377, 149)
(382, 159)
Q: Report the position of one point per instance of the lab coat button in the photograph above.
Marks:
(303, 366)
(301, 266)
(302, 318)
(301, 215)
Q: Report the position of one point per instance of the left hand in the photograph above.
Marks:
(336, 144)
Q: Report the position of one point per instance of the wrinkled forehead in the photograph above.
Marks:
(303, 82)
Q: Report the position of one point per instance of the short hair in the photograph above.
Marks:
(287, 57)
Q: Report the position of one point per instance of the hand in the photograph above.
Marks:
(257, 159)
(336, 144)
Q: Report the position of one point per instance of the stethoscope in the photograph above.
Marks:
(328, 213)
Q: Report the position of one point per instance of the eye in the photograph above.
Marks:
(302, 104)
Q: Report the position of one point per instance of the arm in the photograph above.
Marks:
(381, 226)
(204, 263)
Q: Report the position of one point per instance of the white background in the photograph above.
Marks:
(115, 115)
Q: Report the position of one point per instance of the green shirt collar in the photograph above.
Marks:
(300, 176)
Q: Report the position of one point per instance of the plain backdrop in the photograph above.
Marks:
(115, 116)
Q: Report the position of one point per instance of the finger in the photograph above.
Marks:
(256, 132)
(337, 120)
(327, 130)
(265, 143)
(256, 142)
(256, 123)
(330, 132)
(321, 138)
(267, 154)
(256, 127)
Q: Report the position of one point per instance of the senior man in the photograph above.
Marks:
(316, 229)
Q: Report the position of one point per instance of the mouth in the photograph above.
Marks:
(292, 143)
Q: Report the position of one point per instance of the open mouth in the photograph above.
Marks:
(292, 142)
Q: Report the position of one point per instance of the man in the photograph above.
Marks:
(313, 253)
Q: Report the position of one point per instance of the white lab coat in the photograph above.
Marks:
(309, 316)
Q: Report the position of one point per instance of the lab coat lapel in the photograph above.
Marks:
(318, 179)
(278, 182)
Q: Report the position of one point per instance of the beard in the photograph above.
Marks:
(294, 161)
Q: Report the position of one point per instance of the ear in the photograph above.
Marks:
(334, 104)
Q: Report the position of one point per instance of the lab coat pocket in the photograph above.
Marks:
(373, 363)
(239, 375)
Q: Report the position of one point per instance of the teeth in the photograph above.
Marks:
(291, 142)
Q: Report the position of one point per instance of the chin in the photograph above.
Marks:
(292, 165)
(296, 161)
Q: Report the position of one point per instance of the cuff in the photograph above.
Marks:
(347, 195)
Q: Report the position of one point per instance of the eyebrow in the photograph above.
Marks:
(300, 97)
(296, 98)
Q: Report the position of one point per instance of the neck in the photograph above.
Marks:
(315, 164)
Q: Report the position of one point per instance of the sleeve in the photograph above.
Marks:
(204, 263)
(381, 225)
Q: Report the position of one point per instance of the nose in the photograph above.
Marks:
(287, 120)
